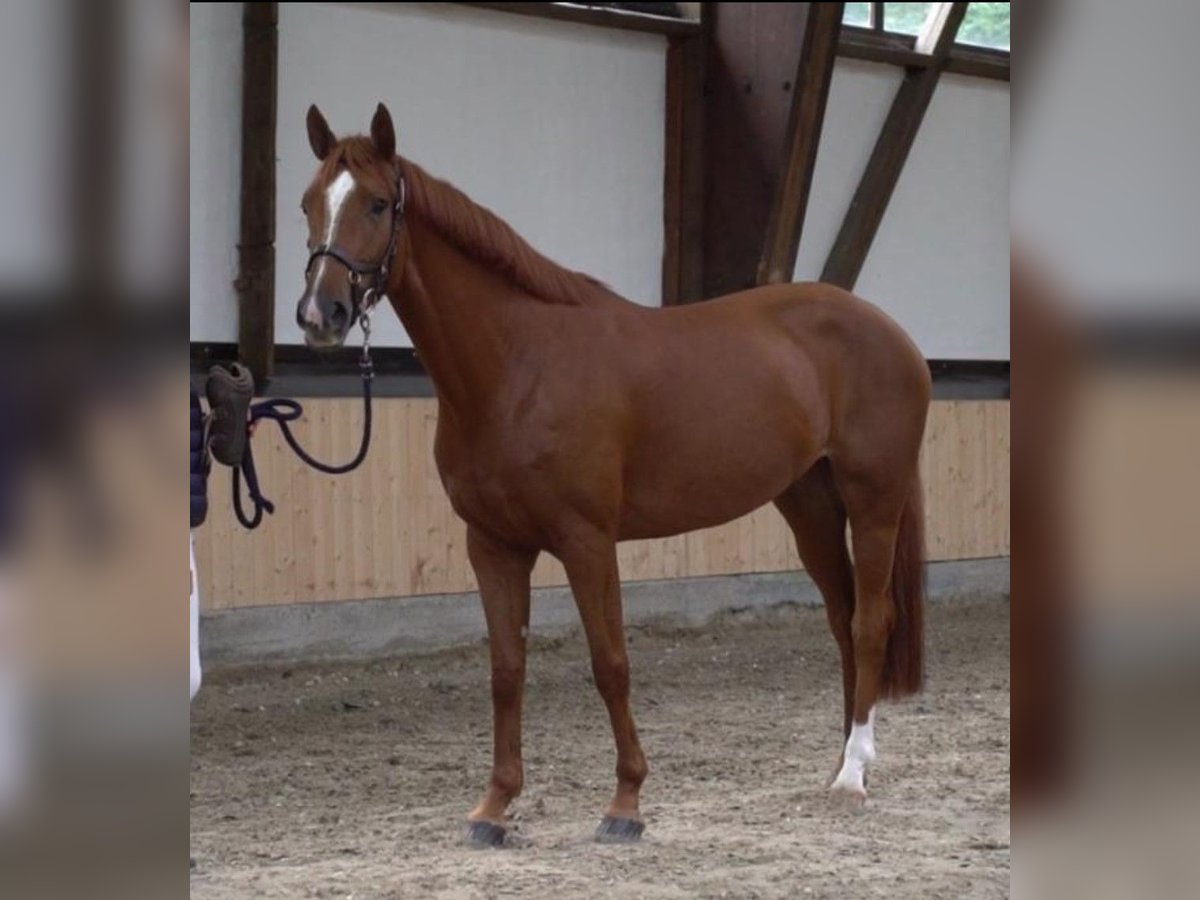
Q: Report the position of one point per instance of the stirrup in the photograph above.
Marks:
(229, 392)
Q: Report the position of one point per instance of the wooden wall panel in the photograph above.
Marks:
(388, 531)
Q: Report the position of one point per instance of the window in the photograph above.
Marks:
(857, 14)
(905, 18)
(985, 24)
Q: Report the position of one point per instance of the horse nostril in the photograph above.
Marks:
(339, 316)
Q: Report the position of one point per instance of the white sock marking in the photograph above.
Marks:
(860, 752)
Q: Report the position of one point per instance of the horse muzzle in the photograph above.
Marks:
(325, 322)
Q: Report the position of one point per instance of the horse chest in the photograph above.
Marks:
(488, 493)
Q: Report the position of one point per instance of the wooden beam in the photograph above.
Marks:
(877, 17)
(979, 62)
(933, 27)
(1030, 23)
(813, 77)
(683, 182)
(895, 140)
(98, 34)
(898, 50)
(604, 16)
(751, 64)
(862, 43)
(256, 246)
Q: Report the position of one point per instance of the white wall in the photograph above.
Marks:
(939, 264)
(859, 98)
(559, 129)
(35, 149)
(556, 127)
(1105, 188)
(215, 86)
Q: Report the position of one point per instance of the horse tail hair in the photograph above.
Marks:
(904, 663)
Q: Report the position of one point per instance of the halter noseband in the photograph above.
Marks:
(361, 305)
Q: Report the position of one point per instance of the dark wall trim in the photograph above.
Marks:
(970, 379)
(1145, 341)
(300, 372)
(256, 244)
(605, 16)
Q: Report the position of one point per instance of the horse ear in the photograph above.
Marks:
(320, 137)
(383, 135)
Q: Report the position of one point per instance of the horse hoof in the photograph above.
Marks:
(614, 830)
(849, 798)
(485, 835)
(832, 779)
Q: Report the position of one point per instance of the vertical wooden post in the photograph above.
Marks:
(256, 245)
(96, 51)
(683, 184)
(753, 51)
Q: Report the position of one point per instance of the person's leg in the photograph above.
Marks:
(16, 757)
(195, 618)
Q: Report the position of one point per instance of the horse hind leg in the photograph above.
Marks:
(817, 517)
(886, 626)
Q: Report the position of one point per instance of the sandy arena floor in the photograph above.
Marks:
(353, 781)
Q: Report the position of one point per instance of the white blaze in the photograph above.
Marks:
(335, 199)
(860, 752)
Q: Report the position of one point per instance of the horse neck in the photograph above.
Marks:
(454, 310)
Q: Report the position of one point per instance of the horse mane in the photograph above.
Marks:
(474, 230)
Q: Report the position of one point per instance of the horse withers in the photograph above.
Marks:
(570, 419)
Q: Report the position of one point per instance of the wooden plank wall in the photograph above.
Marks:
(388, 531)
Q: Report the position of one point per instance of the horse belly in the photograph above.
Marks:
(709, 483)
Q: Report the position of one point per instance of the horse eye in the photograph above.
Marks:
(378, 206)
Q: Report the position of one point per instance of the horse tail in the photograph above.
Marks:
(904, 663)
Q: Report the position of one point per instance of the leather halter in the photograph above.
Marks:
(356, 271)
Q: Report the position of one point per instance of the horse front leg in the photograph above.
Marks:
(591, 564)
(503, 575)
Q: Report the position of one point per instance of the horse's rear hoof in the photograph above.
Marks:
(485, 835)
(615, 830)
(848, 798)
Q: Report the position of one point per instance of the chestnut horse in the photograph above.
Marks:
(570, 419)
